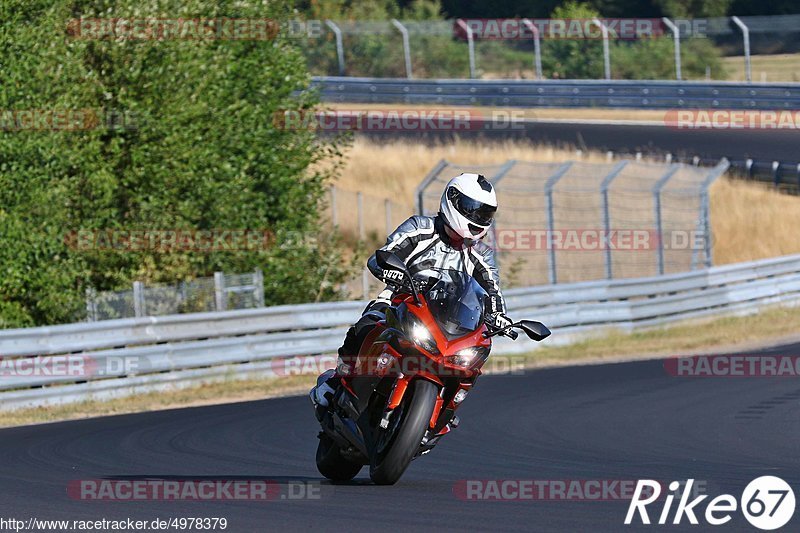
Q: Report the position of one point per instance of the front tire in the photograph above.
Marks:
(330, 462)
(387, 466)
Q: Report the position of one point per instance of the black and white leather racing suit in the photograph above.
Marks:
(424, 245)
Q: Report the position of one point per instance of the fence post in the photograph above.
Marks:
(548, 191)
(339, 45)
(387, 208)
(537, 50)
(746, 39)
(333, 207)
(705, 212)
(676, 35)
(138, 299)
(604, 186)
(606, 53)
(258, 287)
(219, 291)
(659, 185)
(360, 213)
(406, 46)
(91, 304)
(507, 166)
(471, 45)
(432, 175)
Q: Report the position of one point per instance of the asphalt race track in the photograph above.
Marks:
(708, 144)
(610, 422)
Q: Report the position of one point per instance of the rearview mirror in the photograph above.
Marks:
(534, 330)
(388, 260)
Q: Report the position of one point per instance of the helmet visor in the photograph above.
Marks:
(473, 210)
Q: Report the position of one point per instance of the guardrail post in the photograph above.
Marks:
(798, 178)
(258, 287)
(471, 45)
(746, 39)
(138, 299)
(676, 35)
(606, 53)
(339, 45)
(537, 50)
(604, 186)
(406, 46)
(548, 193)
(219, 291)
(776, 173)
(662, 181)
(427, 180)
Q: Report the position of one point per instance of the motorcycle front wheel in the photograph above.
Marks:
(391, 458)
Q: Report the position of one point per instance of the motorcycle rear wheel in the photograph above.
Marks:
(330, 462)
(387, 466)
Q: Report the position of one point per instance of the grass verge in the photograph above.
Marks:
(690, 338)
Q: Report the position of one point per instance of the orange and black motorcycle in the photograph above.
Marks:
(413, 370)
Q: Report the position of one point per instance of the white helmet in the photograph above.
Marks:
(468, 205)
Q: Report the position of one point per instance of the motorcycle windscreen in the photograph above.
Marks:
(456, 303)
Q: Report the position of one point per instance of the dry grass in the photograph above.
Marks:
(765, 68)
(720, 335)
(752, 221)
(394, 169)
(749, 220)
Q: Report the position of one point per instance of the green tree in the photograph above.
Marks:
(205, 153)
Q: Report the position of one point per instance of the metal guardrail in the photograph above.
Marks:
(654, 94)
(185, 350)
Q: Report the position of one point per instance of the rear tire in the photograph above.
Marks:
(387, 468)
(330, 462)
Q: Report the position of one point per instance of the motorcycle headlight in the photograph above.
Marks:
(468, 357)
(420, 334)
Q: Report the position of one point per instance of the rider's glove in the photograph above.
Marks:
(497, 321)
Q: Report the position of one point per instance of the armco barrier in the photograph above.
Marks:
(654, 94)
(184, 350)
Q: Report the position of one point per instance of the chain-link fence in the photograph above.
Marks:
(218, 293)
(364, 218)
(509, 48)
(577, 221)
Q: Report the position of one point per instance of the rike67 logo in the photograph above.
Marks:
(767, 503)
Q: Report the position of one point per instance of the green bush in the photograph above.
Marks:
(204, 153)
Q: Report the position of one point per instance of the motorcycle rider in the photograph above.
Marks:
(450, 240)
